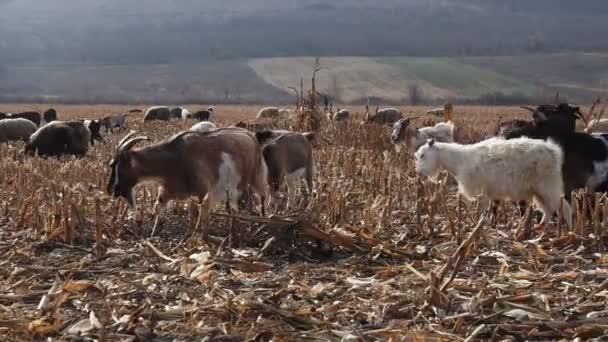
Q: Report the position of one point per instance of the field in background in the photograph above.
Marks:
(373, 256)
(579, 77)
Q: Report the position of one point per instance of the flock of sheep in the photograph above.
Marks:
(540, 160)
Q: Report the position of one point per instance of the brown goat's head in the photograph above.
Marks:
(124, 176)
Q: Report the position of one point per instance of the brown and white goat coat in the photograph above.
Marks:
(224, 164)
(288, 157)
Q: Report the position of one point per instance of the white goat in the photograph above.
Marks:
(517, 169)
(203, 126)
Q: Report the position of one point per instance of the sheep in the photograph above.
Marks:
(516, 169)
(179, 113)
(597, 126)
(114, 121)
(50, 115)
(60, 138)
(268, 113)
(157, 113)
(403, 133)
(225, 164)
(288, 157)
(34, 117)
(340, 115)
(383, 116)
(16, 129)
(201, 115)
(204, 126)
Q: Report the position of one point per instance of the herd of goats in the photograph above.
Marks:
(537, 160)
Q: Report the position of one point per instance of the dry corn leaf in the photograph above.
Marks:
(44, 327)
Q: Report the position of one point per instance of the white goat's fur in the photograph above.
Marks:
(517, 169)
(203, 126)
(597, 126)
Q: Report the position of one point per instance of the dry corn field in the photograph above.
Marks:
(376, 254)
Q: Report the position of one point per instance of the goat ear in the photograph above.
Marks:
(539, 116)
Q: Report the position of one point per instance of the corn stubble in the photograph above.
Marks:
(376, 254)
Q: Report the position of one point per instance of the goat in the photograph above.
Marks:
(563, 116)
(204, 126)
(16, 129)
(288, 157)
(179, 113)
(403, 133)
(201, 115)
(216, 166)
(341, 114)
(517, 169)
(60, 138)
(94, 127)
(157, 113)
(34, 117)
(383, 116)
(50, 115)
(585, 156)
(114, 121)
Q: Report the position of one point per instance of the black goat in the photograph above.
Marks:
(585, 156)
(50, 115)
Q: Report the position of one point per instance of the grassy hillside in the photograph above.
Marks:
(464, 80)
(580, 75)
(515, 79)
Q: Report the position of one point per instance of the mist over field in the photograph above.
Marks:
(66, 50)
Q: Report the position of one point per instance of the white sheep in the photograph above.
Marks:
(597, 126)
(16, 129)
(204, 126)
(517, 169)
(268, 113)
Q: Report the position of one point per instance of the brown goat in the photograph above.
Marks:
(225, 164)
(288, 157)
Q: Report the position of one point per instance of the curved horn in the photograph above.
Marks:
(127, 137)
(528, 108)
(130, 143)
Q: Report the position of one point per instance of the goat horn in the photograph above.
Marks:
(529, 108)
(130, 143)
(127, 137)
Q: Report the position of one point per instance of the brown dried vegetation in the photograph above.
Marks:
(377, 254)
